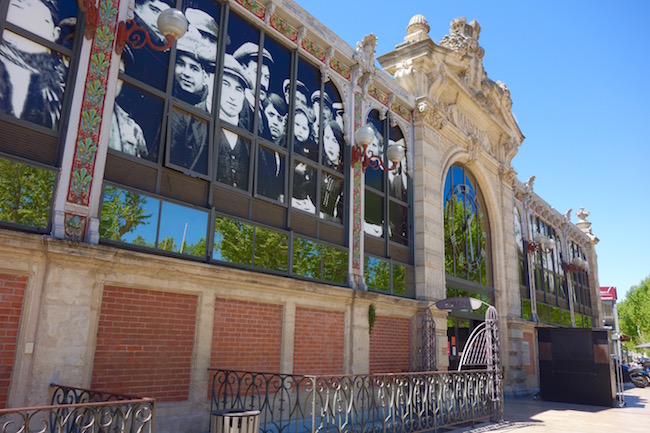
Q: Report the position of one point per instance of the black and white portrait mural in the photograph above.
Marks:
(33, 72)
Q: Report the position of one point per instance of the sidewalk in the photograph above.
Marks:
(526, 415)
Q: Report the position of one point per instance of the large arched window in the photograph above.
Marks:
(39, 40)
(387, 223)
(467, 252)
(467, 255)
(239, 156)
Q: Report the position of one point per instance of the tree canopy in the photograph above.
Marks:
(634, 313)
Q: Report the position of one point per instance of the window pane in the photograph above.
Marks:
(145, 64)
(526, 309)
(270, 174)
(25, 194)
(306, 258)
(377, 273)
(397, 179)
(135, 131)
(335, 264)
(33, 79)
(375, 178)
(274, 101)
(331, 206)
(233, 241)
(333, 145)
(189, 142)
(399, 279)
(233, 160)
(129, 217)
(182, 229)
(238, 85)
(306, 118)
(334, 111)
(543, 313)
(304, 188)
(271, 249)
(45, 19)
(374, 220)
(398, 223)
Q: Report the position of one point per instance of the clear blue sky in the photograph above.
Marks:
(579, 76)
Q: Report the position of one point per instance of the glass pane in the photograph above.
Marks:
(566, 318)
(397, 178)
(233, 160)
(271, 249)
(135, 131)
(374, 219)
(274, 101)
(25, 194)
(399, 279)
(335, 264)
(304, 188)
(239, 81)
(331, 204)
(196, 54)
(556, 316)
(334, 111)
(33, 79)
(543, 313)
(399, 224)
(377, 274)
(54, 20)
(233, 241)
(526, 309)
(189, 142)
(307, 111)
(270, 174)
(182, 229)
(332, 145)
(129, 217)
(145, 64)
(306, 258)
(375, 178)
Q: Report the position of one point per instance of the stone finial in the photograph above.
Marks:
(582, 223)
(417, 29)
(529, 184)
(463, 37)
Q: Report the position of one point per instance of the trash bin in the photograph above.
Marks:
(235, 421)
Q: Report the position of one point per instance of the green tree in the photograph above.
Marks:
(25, 194)
(634, 313)
(122, 212)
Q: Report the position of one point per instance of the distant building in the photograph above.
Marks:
(166, 212)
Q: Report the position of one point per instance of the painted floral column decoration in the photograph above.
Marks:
(83, 165)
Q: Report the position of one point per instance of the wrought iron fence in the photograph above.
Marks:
(391, 403)
(77, 410)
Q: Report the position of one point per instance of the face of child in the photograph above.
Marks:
(301, 127)
(331, 145)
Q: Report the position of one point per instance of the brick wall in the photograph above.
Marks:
(246, 336)
(318, 342)
(389, 345)
(144, 343)
(12, 293)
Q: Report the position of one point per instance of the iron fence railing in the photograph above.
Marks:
(388, 403)
(77, 410)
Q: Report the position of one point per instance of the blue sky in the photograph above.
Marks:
(579, 76)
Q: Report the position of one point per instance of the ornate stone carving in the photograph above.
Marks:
(463, 37)
(433, 114)
(507, 174)
(528, 185)
(269, 10)
(365, 57)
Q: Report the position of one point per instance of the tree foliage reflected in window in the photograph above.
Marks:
(465, 225)
(122, 212)
(25, 194)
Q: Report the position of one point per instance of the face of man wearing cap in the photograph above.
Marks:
(148, 11)
(232, 95)
(189, 74)
(275, 121)
(250, 69)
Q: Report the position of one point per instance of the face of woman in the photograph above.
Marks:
(301, 127)
(331, 145)
(37, 15)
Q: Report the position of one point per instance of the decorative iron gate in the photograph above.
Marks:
(422, 353)
(482, 350)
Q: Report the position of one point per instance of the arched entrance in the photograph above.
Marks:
(468, 257)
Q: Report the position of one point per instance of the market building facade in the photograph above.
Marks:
(164, 212)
